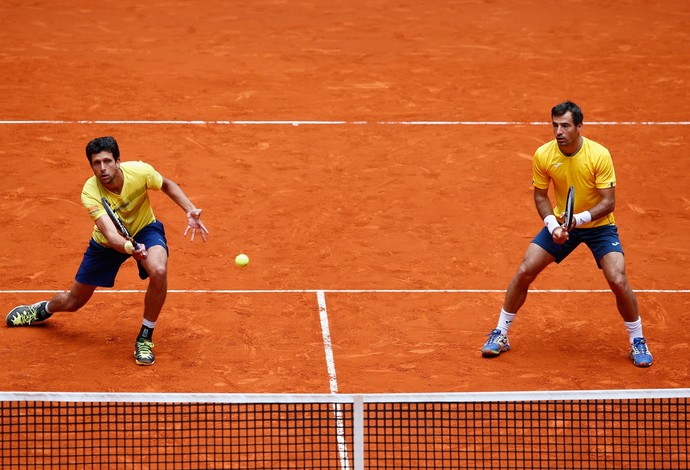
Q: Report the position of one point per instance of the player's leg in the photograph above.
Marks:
(155, 268)
(156, 265)
(534, 261)
(71, 301)
(608, 252)
(98, 267)
(613, 266)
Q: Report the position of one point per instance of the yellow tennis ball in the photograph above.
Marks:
(241, 260)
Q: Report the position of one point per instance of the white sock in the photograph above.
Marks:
(634, 329)
(149, 324)
(504, 321)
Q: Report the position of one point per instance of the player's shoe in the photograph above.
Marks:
(496, 344)
(25, 315)
(639, 353)
(143, 352)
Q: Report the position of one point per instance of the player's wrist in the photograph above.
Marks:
(551, 223)
(582, 218)
(128, 247)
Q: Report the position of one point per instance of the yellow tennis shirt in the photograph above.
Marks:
(588, 170)
(132, 205)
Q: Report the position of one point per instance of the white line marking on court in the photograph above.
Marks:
(328, 348)
(169, 122)
(352, 291)
(333, 381)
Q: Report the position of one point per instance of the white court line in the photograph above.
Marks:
(328, 347)
(331, 123)
(333, 381)
(351, 291)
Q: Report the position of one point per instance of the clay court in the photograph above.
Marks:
(379, 155)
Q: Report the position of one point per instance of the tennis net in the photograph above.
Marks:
(569, 429)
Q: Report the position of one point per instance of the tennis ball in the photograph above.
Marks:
(241, 259)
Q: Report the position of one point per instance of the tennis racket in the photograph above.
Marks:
(118, 223)
(569, 209)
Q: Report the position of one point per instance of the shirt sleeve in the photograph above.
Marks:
(605, 174)
(91, 201)
(540, 178)
(154, 180)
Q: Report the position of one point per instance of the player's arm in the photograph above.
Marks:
(115, 240)
(545, 209)
(194, 223)
(606, 204)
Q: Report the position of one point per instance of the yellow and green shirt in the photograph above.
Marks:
(132, 205)
(589, 169)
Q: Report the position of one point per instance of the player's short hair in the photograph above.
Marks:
(103, 144)
(562, 108)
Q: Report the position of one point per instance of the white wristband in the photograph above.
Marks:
(582, 218)
(551, 223)
(128, 247)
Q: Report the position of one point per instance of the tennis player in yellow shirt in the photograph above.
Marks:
(573, 160)
(125, 186)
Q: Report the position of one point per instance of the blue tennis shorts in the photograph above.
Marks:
(101, 264)
(599, 240)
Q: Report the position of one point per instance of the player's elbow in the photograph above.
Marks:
(168, 186)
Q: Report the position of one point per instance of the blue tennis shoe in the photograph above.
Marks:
(496, 344)
(639, 353)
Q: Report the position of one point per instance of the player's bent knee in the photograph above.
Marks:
(525, 274)
(158, 273)
(619, 284)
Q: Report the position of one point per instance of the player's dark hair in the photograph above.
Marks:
(562, 108)
(103, 144)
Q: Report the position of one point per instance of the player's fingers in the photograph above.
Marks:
(186, 230)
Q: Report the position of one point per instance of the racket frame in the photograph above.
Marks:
(118, 223)
(568, 215)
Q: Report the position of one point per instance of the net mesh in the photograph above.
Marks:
(344, 432)
(532, 434)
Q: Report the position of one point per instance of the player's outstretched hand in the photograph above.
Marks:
(194, 223)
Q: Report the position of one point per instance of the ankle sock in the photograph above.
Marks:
(44, 312)
(634, 329)
(146, 331)
(505, 320)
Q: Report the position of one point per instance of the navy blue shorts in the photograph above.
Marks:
(599, 240)
(101, 264)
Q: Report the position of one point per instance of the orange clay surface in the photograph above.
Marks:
(364, 203)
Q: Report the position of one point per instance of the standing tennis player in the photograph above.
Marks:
(573, 160)
(125, 186)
